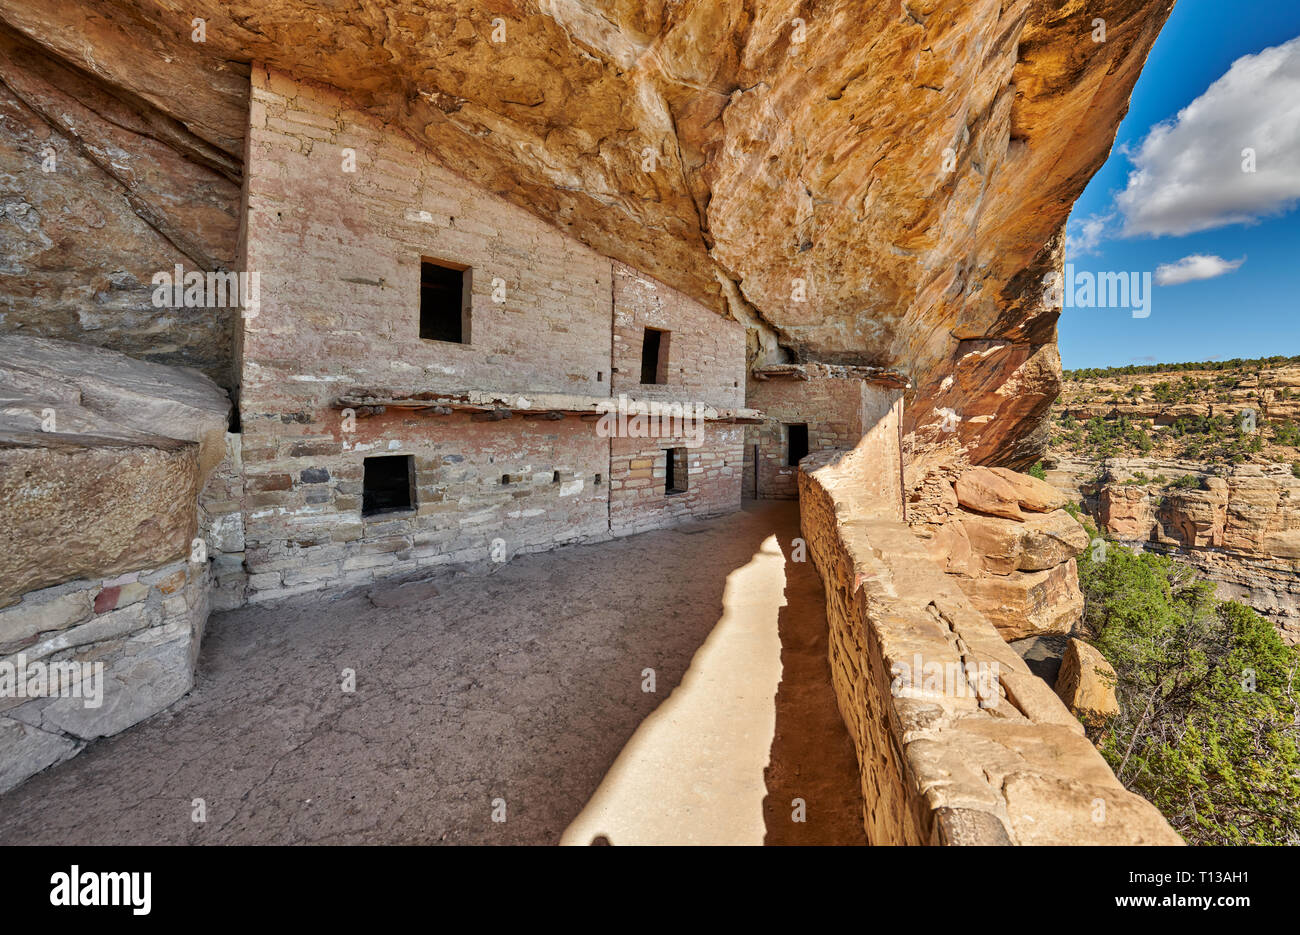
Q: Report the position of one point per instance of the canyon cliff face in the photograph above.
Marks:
(875, 183)
(1197, 463)
(100, 189)
(1239, 526)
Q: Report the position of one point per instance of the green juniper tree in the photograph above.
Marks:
(1209, 725)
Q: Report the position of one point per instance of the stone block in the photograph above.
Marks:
(75, 508)
(42, 612)
(26, 750)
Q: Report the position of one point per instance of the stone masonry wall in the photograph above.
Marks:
(957, 741)
(705, 366)
(706, 354)
(638, 500)
(531, 484)
(828, 402)
(338, 253)
(221, 524)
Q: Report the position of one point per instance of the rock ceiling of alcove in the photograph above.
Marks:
(912, 163)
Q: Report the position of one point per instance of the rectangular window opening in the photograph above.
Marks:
(654, 356)
(798, 443)
(676, 473)
(444, 302)
(388, 484)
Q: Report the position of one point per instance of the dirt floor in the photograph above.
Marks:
(497, 691)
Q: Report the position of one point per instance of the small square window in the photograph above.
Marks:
(797, 445)
(676, 471)
(388, 484)
(654, 356)
(444, 302)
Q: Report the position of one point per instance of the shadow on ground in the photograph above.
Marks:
(518, 682)
(812, 760)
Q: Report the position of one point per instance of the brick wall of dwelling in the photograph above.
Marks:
(529, 484)
(704, 365)
(340, 252)
(705, 353)
(829, 405)
(638, 498)
(144, 627)
(221, 524)
(339, 259)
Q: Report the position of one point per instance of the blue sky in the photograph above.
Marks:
(1193, 193)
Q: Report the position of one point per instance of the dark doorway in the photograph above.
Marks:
(676, 474)
(797, 445)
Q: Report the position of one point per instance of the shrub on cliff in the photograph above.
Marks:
(1209, 730)
(1286, 433)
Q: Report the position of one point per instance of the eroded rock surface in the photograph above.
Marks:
(99, 190)
(1086, 684)
(102, 601)
(1010, 548)
(101, 461)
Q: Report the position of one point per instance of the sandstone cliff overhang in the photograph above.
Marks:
(865, 182)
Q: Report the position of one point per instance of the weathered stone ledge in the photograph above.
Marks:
(877, 376)
(371, 402)
(102, 458)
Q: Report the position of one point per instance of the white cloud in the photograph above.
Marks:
(1188, 171)
(1194, 267)
(1088, 234)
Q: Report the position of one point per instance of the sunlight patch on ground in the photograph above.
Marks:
(693, 771)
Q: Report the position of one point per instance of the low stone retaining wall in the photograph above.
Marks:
(87, 659)
(957, 741)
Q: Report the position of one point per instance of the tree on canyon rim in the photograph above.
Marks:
(1209, 725)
